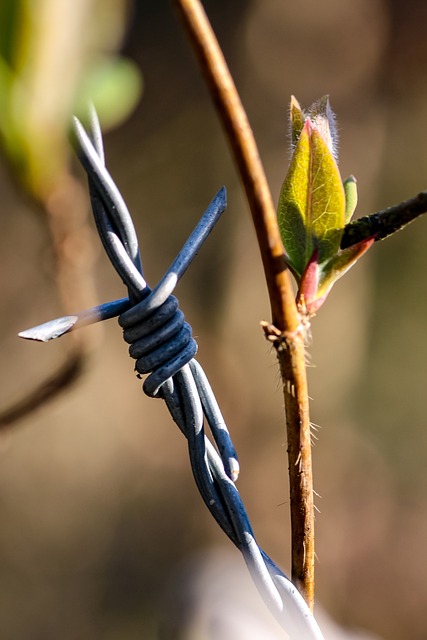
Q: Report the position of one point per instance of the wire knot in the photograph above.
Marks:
(160, 341)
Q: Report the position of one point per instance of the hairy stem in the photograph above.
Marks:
(286, 319)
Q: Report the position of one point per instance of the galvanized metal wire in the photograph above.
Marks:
(161, 342)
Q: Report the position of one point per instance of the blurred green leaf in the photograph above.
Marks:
(7, 125)
(113, 85)
(54, 57)
(9, 20)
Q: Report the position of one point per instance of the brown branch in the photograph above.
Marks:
(66, 210)
(56, 383)
(286, 319)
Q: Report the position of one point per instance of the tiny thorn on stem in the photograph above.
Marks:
(285, 338)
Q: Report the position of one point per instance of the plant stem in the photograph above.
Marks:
(286, 319)
(385, 222)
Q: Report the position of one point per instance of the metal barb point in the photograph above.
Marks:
(49, 330)
(161, 343)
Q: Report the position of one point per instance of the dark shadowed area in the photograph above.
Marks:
(103, 534)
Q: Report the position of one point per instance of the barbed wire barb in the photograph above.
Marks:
(161, 342)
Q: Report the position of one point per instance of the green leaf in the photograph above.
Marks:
(317, 280)
(297, 118)
(315, 207)
(312, 202)
(340, 264)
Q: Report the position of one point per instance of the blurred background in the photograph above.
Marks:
(103, 533)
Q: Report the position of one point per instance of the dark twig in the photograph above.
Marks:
(286, 319)
(385, 222)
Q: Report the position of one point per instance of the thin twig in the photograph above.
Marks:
(286, 319)
(385, 222)
(56, 383)
(66, 211)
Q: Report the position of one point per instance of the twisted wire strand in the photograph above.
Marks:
(112, 217)
(161, 342)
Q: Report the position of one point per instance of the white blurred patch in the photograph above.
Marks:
(212, 597)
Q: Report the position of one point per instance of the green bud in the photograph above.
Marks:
(314, 206)
(350, 190)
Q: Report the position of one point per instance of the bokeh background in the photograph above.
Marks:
(103, 534)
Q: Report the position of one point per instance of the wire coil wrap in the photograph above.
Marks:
(160, 341)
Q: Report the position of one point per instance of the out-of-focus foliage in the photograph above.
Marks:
(54, 56)
(98, 507)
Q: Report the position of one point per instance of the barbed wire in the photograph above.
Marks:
(161, 342)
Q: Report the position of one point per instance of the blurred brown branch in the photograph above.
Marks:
(59, 56)
(286, 319)
(66, 211)
(57, 382)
